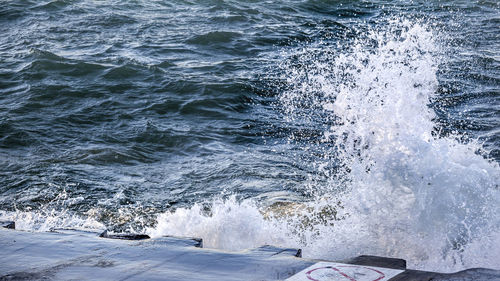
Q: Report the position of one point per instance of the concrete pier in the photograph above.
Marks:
(79, 255)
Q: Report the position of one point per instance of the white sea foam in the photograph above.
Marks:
(54, 214)
(405, 192)
(50, 220)
(400, 191)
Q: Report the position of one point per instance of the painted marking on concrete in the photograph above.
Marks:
(333, 271)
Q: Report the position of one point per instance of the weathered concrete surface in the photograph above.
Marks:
(377, 261)
(126, 236)
(8, 224)
(79, 255)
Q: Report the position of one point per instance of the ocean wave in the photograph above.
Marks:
(404, 192)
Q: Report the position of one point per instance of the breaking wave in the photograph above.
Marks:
(395, 185)
(397, 188)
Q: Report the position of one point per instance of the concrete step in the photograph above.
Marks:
(64, 254)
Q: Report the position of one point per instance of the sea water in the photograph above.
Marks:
(339, 127)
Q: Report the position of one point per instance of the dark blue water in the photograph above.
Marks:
(115, 112)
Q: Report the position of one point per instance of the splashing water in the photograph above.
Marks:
(54, 214)
(398, 188)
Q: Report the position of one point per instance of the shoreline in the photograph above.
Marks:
(66, 254)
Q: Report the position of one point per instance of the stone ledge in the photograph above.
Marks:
(81, 255)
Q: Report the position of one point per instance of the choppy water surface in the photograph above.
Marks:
(340, 127)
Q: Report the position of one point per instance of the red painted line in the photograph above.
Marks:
(308, 274)
(343, 274)
(382, 275)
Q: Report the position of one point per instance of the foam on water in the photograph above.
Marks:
(404, 191)
(397, 188)
(52, 215)
(48, 221)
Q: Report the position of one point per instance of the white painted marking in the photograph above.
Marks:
(332, 271)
